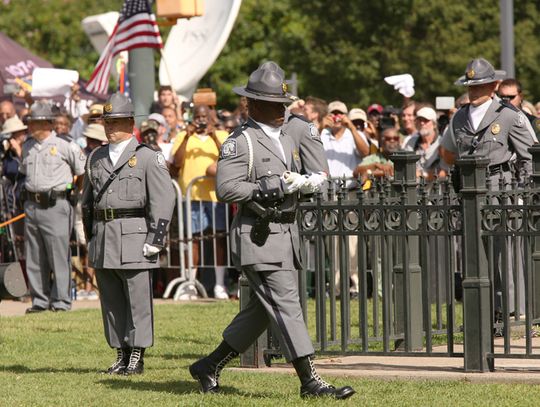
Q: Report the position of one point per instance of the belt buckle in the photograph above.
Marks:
(108, 214)
(37, 197)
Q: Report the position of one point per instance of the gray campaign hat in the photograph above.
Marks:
(267, 84)
(478, 72)
(118, 106)
(272, 66)
(41, 110)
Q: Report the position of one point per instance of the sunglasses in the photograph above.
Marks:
(508, 98)
(395, 138)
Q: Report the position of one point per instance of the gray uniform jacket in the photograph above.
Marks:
(51, 163)
(308, 143)
(502, 132)
(144, 182)
(281, 250)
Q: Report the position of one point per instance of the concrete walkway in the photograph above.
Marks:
(384, 367)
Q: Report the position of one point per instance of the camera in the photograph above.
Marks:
(387, 119)
(444, 103)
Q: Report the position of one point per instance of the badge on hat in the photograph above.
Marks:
(496, 128)
(132, 161)
(284, 87)
(107, 108)
(53, 150)
(470, 73)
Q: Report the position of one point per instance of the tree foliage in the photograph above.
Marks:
(339, 50)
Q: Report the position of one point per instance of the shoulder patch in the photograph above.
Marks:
(521, 119)
(228, 148)
(313, 130)
(160, 159)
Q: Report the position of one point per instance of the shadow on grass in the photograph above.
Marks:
(20, 369)
(178, 356)
(175, 386)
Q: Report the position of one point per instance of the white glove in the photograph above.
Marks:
(313, 184)
(148, 250)
(292, 181)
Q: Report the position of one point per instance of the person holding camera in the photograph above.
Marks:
(50, 163)
(195, 153)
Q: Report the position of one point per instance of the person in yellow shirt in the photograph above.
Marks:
(196, 151)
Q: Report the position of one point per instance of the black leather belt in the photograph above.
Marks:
(497, 168)
(276, 216)
(43, 197)
(113, 213)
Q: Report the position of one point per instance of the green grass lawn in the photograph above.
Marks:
(54, 360)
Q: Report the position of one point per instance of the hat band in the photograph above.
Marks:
(492, 76)
(265, 93)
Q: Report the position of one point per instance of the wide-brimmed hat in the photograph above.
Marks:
(41, 110)
(13, 125)
(118, 106)
(95, 131)
(266, 84)
(94, 112)
(479, 72)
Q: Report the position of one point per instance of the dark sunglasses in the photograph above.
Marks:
(393, 138)
(507, 98)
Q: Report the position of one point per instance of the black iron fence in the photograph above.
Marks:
(411, 268)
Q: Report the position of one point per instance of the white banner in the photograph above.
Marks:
(48, 82)
(193, 45)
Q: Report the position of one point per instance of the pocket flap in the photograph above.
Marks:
(131, 173)
(134, 225)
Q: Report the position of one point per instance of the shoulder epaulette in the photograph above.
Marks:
(141, 145)
(508, 105)
(297, 116)
(65, 137)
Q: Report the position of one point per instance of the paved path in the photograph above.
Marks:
(384, 367)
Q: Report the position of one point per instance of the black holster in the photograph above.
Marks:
(88, 222)
(455, 178)
(260, 231)
(72, 196)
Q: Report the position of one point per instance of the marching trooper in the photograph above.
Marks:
(127, 202)
(51, 164)
(491, 128)
(259, 169)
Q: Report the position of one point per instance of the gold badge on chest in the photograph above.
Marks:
(295, 154)
(495, 128)
(132, 161)
(53, 150)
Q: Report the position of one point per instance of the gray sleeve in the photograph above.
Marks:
(232, 183)
(448, 140)
(160, 198)
(76, 158)
(521, 137)
(311, 151)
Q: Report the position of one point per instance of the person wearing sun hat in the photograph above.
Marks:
(494, 129)
(259, 169)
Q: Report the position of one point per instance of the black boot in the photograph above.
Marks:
(207, 370)
(136, 362)
(313, 385)
(121, 362)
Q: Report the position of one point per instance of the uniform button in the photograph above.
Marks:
(266, 195)
(269, 172)
(140, 228)
(110, 191)
(274, 194)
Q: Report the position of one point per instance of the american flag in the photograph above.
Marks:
(136, 28)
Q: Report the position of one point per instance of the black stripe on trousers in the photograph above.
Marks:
(279, 318)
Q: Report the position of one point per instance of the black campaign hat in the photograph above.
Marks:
(118, 106)
(478, 72)
(41, 110)
(266, 83)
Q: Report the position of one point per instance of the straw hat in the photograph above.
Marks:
(13, 125)
(96, 132)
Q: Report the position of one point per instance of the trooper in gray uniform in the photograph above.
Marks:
(259, 169)
(127, 203)
(50, 163)
(493, 129)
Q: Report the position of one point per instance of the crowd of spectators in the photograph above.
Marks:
(358, 141)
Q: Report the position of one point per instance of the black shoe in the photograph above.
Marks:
(313, 385)
(121, 362)
(54, 309)
(136, 362)
(207, 370)
(34, 309)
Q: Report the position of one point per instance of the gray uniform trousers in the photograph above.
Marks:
(126, 306)
(47, 233)
(274, 300)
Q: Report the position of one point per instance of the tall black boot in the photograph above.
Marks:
(207, 370)
(121, 362)
(136, 362)
(313, 385)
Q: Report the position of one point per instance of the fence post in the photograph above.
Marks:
(408, 274)
(477, 313)
(535, 177)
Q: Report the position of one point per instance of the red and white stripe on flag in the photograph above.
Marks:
(136, 28)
